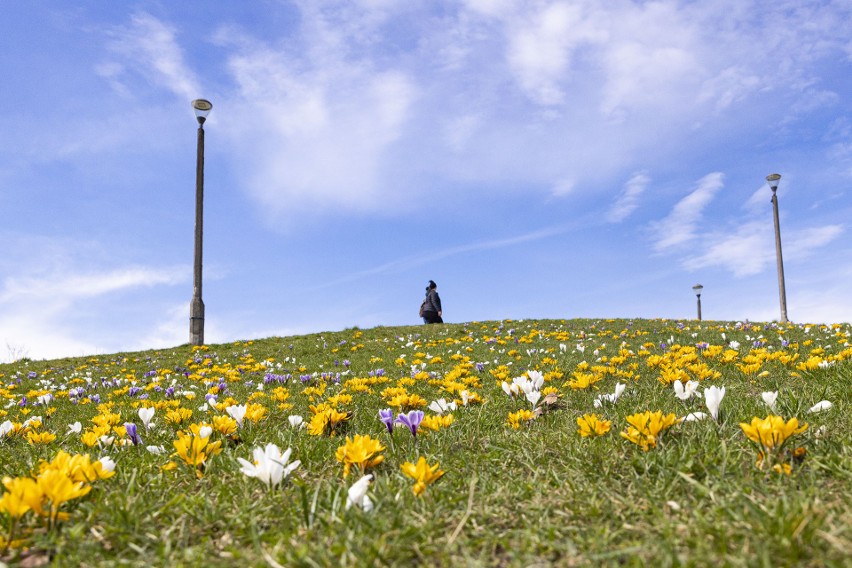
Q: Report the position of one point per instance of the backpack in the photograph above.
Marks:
(423, 307)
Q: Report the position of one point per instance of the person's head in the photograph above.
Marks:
(431, 285)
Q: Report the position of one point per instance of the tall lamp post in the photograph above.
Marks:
(196, 307)
(772, 180)
(697, 289)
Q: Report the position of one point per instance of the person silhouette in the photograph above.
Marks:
(432, 305)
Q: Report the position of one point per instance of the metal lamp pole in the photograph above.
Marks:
(196, 307)
(772, 180)
(697, 288)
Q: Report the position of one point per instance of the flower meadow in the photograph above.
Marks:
(536, 442)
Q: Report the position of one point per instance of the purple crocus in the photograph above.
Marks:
(386, 416)
(412, 420)
(130, 428)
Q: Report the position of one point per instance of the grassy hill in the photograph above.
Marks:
(561, 442)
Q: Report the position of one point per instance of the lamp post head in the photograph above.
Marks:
(697, 289)
(772, 180)
(202, 109)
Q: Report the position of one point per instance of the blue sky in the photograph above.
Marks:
(551, 159)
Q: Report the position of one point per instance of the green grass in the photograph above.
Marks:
(537, 496)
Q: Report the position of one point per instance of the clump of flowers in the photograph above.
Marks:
(63, 479)
(646, 428)
(270, 466)
(178, 416)
(195, 447)
(592, 425)
(422, 473)
(771, 435)
(435, 423)
(517, 419)
(326, 420)
(361, 451)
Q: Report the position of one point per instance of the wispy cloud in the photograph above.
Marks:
(751, 248)
(149, 47)
(53, 303)
(743, 252)
(680, 226)
(427, 258)
(628, 200)
(63, 287)
(341, 115)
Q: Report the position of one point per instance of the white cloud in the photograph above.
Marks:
(340, 112)
(680, 226)
(803, 243)
(751, 248)
(61, 287)
(54, 306)
(744, 252)
(539, 51)
(150, 47)
(309, 137)
(628, 200)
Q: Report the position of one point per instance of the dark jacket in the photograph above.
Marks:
(433, 301)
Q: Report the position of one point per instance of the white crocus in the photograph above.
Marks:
(75, 428)
(611, 398)
(146, 415)
(270, 465)
(820, 406)
(237, 412)
(686, 391)
(694, 416)
(156, 450)
(358, 494)
(5, 428)
(107, 464)
(713, 398)
(510, 389)
(769, 398)
(441, 406)
(536, 378)
(533, 397)
(296, 421)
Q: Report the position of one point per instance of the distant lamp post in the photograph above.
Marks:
(772, 180)
(697, 289)
(196, 307)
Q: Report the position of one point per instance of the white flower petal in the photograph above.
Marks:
(820, 406)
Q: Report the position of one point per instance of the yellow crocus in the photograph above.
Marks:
(516, 418)
(255, 412)
(436, 422)
(771, 432)
(361, 451)
(178, 415)
(40, 438)
(22, 495)
(195, 449)
(646, 428)
(59, 488)
(592, 425)
(423, 473)
(225, 425)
